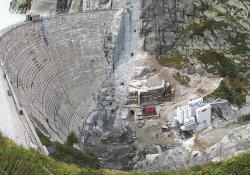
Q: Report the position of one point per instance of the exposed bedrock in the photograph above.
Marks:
(105, 133)
(162, 21)
(51, 7)
(188, 27)
(236, 142)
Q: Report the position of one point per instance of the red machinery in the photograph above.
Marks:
(150, 109)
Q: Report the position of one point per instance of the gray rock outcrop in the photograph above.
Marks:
(163, 21)
(51, 7)
(236, 142)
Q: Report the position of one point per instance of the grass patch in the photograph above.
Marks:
(232, 89)
(229, 17)
(176, 61)
(245, 118)
(67, 153)
(19, 161)
(207, 24)
(217, 63)
(182, 79)
(234, 86)
(240, 39)
(240, 49)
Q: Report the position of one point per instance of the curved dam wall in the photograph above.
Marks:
(58, 86)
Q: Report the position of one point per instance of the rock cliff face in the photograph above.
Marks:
(170, 24)
(51, 7)
(163, 21)
(213, 35)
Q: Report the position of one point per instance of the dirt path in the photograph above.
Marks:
(199, 87)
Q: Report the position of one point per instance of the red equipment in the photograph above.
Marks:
(149, 109)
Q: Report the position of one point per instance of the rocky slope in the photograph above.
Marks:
(233, 144)
(51, 7)
(211, 35)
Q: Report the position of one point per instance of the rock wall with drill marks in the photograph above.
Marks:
(58, 86)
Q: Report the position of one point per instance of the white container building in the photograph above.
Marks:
(195, 116)
(203, 116)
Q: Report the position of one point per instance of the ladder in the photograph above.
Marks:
(45, 32)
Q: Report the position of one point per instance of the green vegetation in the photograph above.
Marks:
(19, 161)
(229, 18)
(176, 61)
(239, 39)
(67, 153)
(203, 6)
(232, 89)
(234, 86)
(239, 43)
(245, 118)
(198, 29)
(240, 49)
(217, 63)
(25, 6)
(182, 79)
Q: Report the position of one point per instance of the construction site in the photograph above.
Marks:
(89, 73)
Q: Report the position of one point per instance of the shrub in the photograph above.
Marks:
(72, 139)
(245, 118)
(182, 79)
(232, 89)
(240, 49)
(176, 60)
(217, 63)
(25, 6)
(66, 153)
